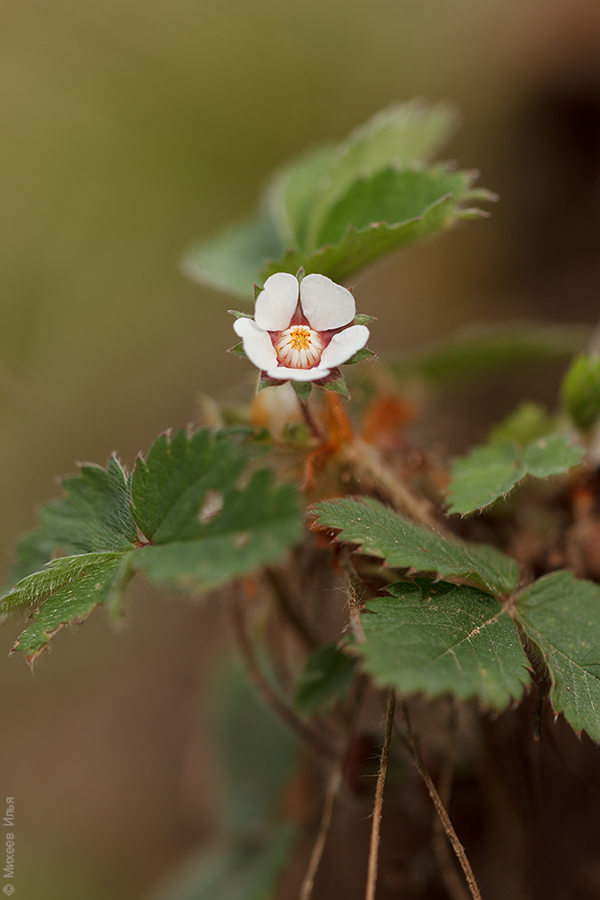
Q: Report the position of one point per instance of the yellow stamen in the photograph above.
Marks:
(299, 338)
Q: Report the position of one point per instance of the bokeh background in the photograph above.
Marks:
(130, 129)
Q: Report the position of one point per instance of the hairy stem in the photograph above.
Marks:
(378, 805)
(440, 808)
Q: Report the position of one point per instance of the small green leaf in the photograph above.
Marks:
(551, 455)
(325, 680)
(485, 349)
(561, 614)
(381, 532)
(527, 423)
(485, 474)
(581, 391)
(492, 470)
(231, 260)
(438, 638)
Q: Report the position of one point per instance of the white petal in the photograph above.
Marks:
(326, 304)
(282, 372)
(275, 305)
(344, 345)
(257, 343)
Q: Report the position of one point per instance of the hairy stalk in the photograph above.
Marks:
(440, 808)
(370, 467)
(352, 602)
(378, 805)
(313, 738)
(333, 788)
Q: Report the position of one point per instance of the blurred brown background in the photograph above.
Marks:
(129, 129)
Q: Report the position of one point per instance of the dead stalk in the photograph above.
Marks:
(440, 808)
(378, 805)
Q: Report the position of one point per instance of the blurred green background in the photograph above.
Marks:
(129, 129)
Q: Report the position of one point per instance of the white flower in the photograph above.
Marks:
(301, 331)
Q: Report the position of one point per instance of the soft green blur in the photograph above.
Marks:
(129, 129)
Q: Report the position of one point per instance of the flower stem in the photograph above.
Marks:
(310, 419)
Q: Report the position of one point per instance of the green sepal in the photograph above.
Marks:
(240, 315)
(359, 356)
(362, 319)
(337, 386)
(303, 388)
(238, 350)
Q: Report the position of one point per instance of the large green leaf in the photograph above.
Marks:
(195, 513)
(487, 348)
(381, 532)
(581, 391)
(492, 470)
(341, 207)
(438, 638)
(561, 614)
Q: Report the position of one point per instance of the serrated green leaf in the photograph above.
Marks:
(359, 247)
(67, 591)
(485, 474)
(244, 528)
(527, 423)
(169, 486)
(553, 454)
(438, 638)
(488, 348)
(400, 135)
(561, 614)
(394, 196)
(325, 680)
(381, 532)
(492, 470)
(231, 260)
(330, 191)
(197, 525)
(94, 514)
(581, 391)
